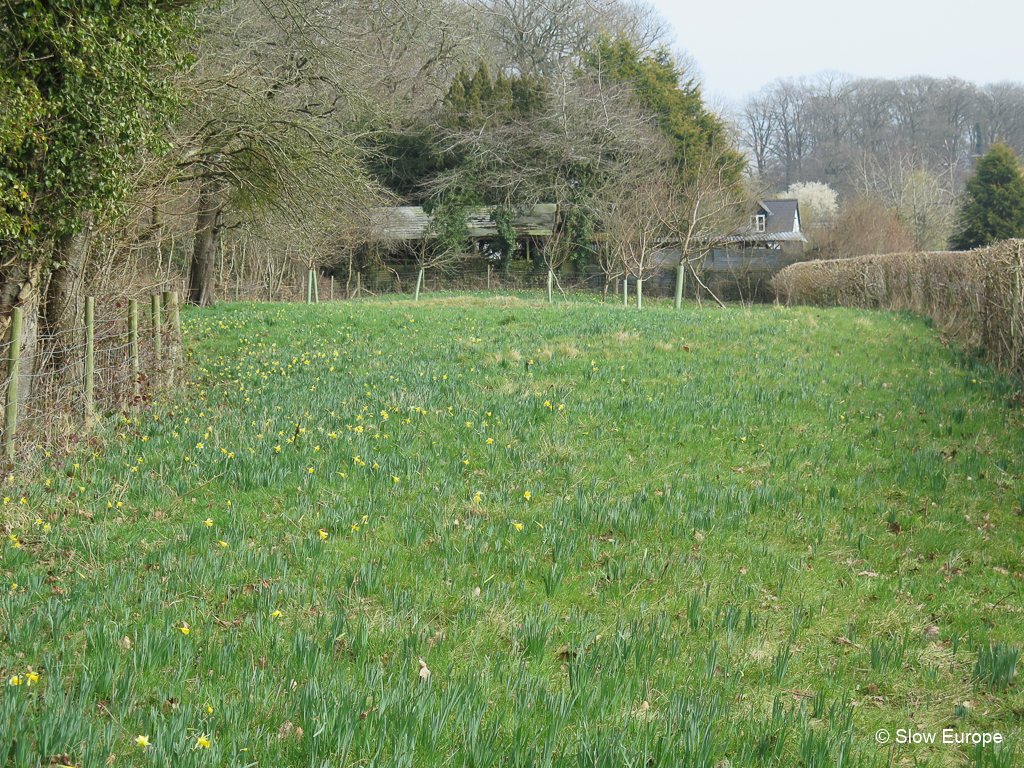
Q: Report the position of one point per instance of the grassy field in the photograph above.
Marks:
(481, 531)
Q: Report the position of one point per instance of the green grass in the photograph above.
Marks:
(675, 539)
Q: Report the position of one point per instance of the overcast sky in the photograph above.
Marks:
(740, 45)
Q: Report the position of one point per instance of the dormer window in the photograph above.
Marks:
(757, 222)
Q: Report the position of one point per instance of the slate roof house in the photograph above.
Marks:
(772, 223)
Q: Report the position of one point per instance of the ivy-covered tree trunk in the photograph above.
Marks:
(66, 290)
(65, 299)
(204, 254)
(21, 288)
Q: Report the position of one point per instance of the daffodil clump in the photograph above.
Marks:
(488, 531)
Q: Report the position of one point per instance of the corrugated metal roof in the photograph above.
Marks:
(767, 237)
(411, 222)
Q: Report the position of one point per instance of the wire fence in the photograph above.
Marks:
(56, 384)
(123, 350)
(333, 283)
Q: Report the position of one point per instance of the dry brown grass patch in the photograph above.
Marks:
(506, 355)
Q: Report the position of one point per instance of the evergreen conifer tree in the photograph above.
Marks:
(993, 208)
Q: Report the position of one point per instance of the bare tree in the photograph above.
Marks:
(865, 226)
(577, 151)
(758, 131)
(999, 116)
(706, 211)
(636, 226)
(545, 37)
(269, 124)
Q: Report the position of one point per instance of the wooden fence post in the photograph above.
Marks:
(158, 347)
(359, 281)
(13, 357)
(176, 328)
(316, 285)
(170, 301)
(90, 360)
(332, 287)
(133, 344)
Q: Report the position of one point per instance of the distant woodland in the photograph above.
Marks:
(897, 152)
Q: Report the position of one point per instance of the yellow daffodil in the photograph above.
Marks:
(203, 742)
(208, 522)
(142, 741)
(323, 533)
(31, 677)
(527, 495)
(517, 526)
(14, 680)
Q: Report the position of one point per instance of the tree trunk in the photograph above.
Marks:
(65, 301)
(21, 287)
(204, 255)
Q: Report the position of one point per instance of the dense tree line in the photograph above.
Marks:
(143, 142)
(86, 88)
(838, 130)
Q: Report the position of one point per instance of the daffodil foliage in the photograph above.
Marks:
(486, 531)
